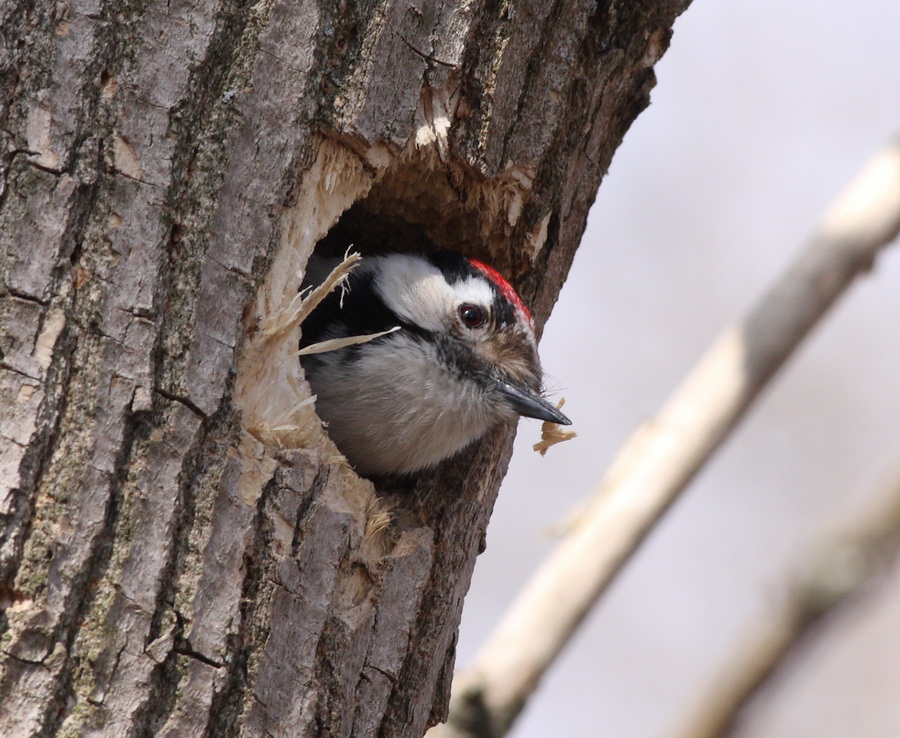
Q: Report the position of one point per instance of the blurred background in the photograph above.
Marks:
(763, 112)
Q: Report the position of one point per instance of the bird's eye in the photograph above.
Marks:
(472, 316)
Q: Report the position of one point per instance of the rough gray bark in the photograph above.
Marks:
(182, 551)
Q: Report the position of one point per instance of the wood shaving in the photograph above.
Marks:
(333, 344)
(553, 433)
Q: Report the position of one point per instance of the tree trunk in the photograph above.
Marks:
(183, 552)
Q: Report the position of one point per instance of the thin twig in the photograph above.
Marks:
(838, 574)
(663, 456)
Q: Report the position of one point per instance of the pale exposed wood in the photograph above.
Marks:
(656, 464)
(175, 556)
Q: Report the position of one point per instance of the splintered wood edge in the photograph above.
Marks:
(302, 305)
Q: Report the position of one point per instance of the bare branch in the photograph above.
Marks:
(663, 456)
(838, 574)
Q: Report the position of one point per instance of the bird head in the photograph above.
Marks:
(463, 358)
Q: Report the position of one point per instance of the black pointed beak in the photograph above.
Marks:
(529, 403)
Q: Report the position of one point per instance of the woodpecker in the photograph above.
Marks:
(463, 358)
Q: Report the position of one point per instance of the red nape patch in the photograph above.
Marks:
(506, 289)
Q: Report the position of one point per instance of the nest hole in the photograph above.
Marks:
(412, 208)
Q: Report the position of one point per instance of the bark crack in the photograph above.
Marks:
(167, 677)
(49, 170)
(318, 484)
(29, 662)
(19, 372)
(419, 52)
(27, 298)
(535, 63)
(392, 678)
(184, 649)
(250, 634)
(82, 596)
(182, 401)
(19, 523)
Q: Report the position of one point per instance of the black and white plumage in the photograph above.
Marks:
(463, 360)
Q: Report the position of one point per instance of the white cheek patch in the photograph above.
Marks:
(416, 291)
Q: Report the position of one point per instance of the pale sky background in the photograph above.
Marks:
(762, 113)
